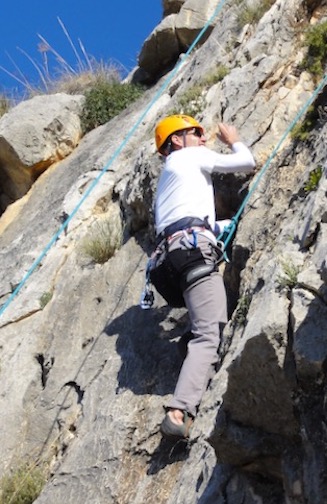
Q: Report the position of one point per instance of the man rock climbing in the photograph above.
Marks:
(185, 218)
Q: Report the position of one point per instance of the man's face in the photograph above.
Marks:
(189, 138)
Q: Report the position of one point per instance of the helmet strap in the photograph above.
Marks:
(184, 138)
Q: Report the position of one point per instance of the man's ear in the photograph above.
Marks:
(177, 141)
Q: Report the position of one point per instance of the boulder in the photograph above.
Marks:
(173, 36)
(34, 135)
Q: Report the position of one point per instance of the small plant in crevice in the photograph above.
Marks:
(23, 485)
(231, 44)
(313, 180)
(193, 101)
(288, 279)
(45, 299)
(316, 42)
(302, 130)
(251, 14)
(104, 239)
(215, 76)
(241, 311)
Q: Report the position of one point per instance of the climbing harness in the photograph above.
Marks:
(172, 271)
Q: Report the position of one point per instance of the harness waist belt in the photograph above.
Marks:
(185, 223)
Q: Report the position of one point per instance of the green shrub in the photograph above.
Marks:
(103, 240)
(316, 42)
(105, 100)
(23, 486)
(251, 14)
(313, 180)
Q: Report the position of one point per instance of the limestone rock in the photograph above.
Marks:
(175, 33)
(34, 135)
(161, 49)
(172, 6)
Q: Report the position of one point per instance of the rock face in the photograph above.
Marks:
(85, 372)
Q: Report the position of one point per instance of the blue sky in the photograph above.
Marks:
(109, 30)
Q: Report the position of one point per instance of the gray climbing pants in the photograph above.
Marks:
(206, 304)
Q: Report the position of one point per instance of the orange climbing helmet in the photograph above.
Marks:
(171, 124)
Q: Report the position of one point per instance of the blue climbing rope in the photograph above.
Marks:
(228, 232)
(112, 159)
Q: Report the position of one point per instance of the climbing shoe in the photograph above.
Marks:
(173, 431)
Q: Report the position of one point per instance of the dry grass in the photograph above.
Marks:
(23, 485)
(251, 14)
(55, 74)
(104, 239)
(4, 104)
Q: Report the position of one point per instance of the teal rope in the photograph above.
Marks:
(229, 230)
(111, 160)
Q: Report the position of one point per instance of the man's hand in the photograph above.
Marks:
(227, 134)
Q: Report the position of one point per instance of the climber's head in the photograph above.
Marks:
(177, 131)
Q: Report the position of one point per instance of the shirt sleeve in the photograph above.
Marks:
(240, 160)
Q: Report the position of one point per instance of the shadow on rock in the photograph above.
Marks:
(147, 344)
(167, 453)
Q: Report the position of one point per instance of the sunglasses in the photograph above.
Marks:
(194, 131)
(198, 132)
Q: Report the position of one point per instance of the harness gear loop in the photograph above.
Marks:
(147, 296)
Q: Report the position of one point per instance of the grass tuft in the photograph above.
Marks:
(251, 14)
(104, 239)
(4, 104)
(217, 75)
(288, 279)
(23, 485)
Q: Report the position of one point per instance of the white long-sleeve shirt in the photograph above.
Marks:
(185, 187)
